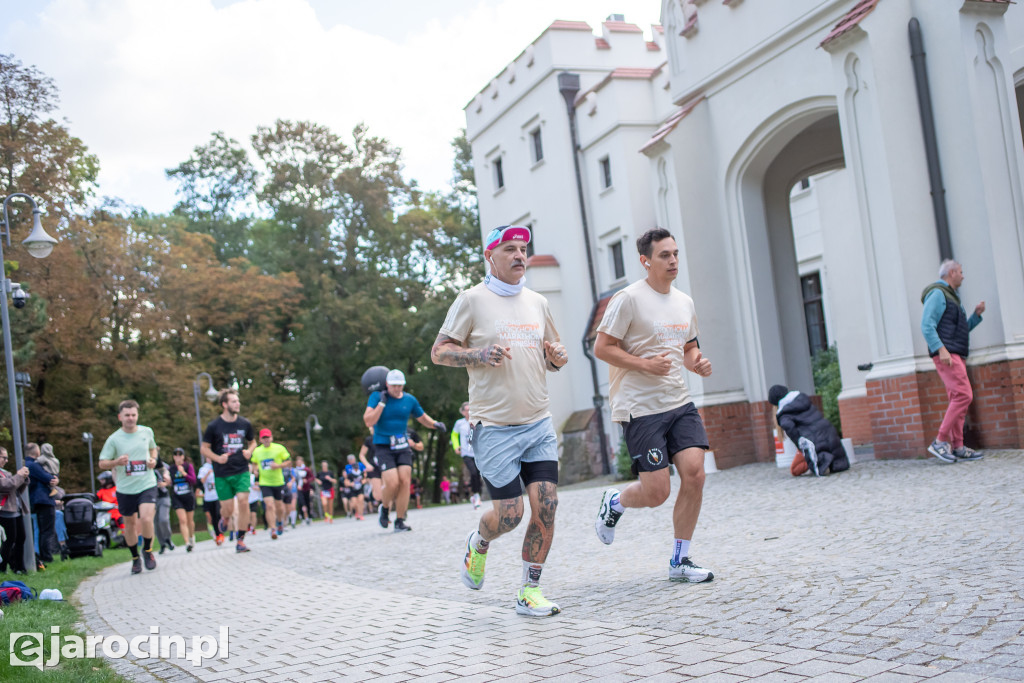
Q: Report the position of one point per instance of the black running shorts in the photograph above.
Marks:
(652, 440)
(388, 459)
(275, 492)
(128, 503)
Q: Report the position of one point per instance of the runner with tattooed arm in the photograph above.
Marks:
(503, 334)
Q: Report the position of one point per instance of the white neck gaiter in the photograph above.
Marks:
(503, 288)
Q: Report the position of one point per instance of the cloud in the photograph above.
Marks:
(142, 83)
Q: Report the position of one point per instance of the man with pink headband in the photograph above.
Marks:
(503, 334)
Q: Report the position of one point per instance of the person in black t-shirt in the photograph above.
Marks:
(327, 484)
(225, 443)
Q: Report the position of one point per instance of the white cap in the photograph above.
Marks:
(395, 377)
(50, 594)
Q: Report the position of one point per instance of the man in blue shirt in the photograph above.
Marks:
(946, 329)
(387, 414)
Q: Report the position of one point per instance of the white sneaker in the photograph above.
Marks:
(687, 572)
(607, 518)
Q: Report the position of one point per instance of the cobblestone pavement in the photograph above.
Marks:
(893, 571)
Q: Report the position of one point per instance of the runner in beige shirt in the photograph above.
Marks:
(648, 335)
(503, 334)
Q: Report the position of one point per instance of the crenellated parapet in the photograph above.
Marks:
(567, 45)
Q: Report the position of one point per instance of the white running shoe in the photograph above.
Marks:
(687, 572)
(607, 518)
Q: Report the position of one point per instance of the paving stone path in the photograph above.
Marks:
(894, 571)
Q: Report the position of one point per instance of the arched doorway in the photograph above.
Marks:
(802, 141)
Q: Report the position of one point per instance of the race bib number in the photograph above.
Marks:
(181, 488)
(135, 467)
(267, 464)
(399, 443)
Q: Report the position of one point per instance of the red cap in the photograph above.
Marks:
(265, 432)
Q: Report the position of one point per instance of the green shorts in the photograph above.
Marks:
(229, 487)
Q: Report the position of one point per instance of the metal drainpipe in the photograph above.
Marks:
(569, 86)
(931, 147)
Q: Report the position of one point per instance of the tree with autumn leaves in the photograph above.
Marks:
(285, 271)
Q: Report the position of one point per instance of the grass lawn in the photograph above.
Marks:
(37, 616)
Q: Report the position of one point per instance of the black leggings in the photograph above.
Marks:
(46, 515)
(474, 475)
(213, 507)
(12, 552)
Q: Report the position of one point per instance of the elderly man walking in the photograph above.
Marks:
(947, 329)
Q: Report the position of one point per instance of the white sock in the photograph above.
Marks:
(292, 516)
(682, 550)
(478, 542)
(531, 573)
(614, 504)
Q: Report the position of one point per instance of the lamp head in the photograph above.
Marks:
(38, 243)
(211, 394)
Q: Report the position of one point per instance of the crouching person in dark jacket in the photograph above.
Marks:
(823, 452)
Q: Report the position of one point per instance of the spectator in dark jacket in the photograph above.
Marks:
(43, 506)
(810, 431)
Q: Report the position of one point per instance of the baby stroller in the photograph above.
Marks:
(80, 516)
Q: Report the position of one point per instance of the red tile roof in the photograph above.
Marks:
(658, 27)
(653, 46)
(540, 260)
(850, 20)
(671, 123)
(634, 72)
(624, 72)
(570, 25)
(597, 314)
(622, 27)
(602, 44)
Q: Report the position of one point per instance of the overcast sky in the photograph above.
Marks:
(142, 82)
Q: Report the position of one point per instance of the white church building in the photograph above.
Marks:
(815, 159)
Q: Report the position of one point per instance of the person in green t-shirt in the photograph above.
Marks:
(132, 454)
(271, 458)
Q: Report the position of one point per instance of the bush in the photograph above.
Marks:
(828, 383)
(624, 463)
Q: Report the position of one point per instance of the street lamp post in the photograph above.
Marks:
(23, 380)
(87, 438)
(39, 245)
(312, 463)
(211, 395)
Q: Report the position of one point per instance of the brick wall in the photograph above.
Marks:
(900, 416)
(855, 415)
(904, 413)
(740, 433)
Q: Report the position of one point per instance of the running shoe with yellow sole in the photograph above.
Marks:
(473, 565)
(531, 602)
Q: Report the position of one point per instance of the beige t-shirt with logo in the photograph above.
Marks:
(648, 324)
(516, 392)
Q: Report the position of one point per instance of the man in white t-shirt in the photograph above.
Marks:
(211, 505)
(461, 431)
(503, 334)
(647, 336)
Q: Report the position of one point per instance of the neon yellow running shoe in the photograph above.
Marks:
(531, 602)
(473, 566)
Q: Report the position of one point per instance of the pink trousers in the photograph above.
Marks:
(958, 388)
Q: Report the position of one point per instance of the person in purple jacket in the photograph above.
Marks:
(183, 497)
